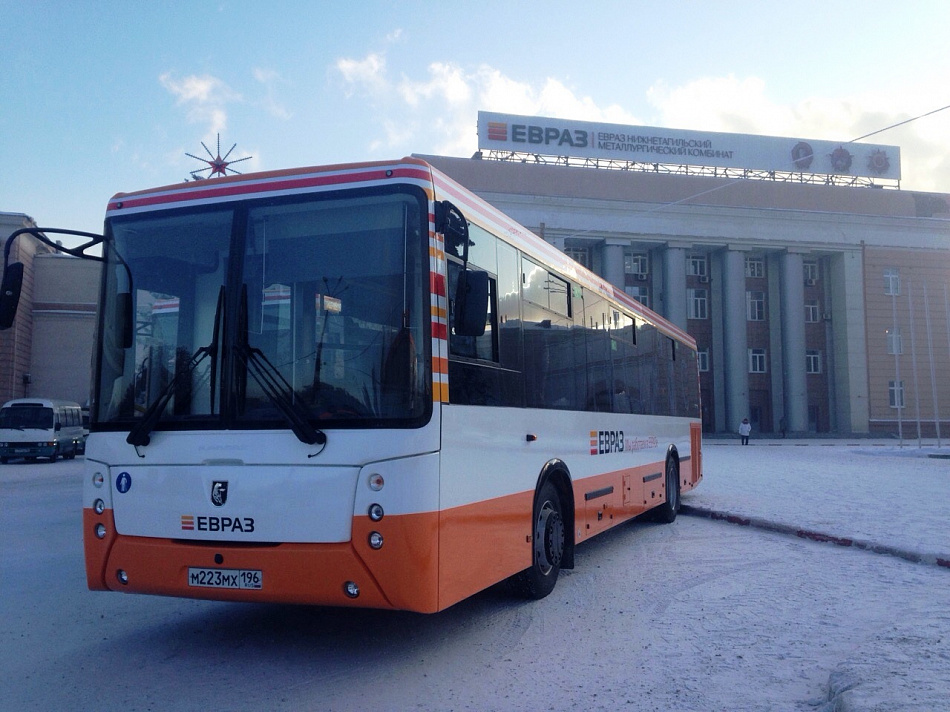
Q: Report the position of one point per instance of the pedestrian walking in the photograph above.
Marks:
(745, 428)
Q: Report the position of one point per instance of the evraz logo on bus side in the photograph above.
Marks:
(604, 442)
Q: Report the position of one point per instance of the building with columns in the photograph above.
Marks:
(798, 294)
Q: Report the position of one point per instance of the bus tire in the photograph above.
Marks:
(667, 511)
(548, 535)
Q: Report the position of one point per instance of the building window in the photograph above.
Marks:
(892, 282)
(697, 304)
(895, 394)
(895, 342)
(696, 267)
(755, 306)
(754, 267)
(811, 272)
(640, 293)
(757, 361)
(635, 263)
(580, 255)
(703, 360)
(813, 361)
(812, 312)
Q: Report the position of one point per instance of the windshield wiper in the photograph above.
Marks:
(273, 384)
(140, 434)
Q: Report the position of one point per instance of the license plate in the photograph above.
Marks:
(225, 578)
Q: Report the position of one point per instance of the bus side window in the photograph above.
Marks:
(484, 347)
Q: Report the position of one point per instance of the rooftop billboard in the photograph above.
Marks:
(648, 144)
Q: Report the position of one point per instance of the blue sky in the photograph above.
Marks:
(102, 97)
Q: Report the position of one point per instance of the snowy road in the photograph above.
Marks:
(700, 615)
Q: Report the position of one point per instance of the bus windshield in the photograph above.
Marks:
(244, 312)
(26, 417)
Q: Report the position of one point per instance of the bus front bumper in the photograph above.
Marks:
(337, 574)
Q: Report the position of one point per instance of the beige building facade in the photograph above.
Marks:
(64, 324)
(47, 351)
(16, 343)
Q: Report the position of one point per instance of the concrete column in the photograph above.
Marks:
(850, 342)
(674, 285)
(613, 262)
(793, 342)
(735, 339)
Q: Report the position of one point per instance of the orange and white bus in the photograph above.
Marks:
(362, 385)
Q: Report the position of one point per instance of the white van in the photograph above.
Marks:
(39, 427)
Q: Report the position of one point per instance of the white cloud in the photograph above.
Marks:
(205, 97)
(436, 114)
(445, 81)
(743, 106)
(271, 80)
(367, 74)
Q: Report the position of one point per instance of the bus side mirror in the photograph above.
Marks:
(471, 303)
(10, 293)
(124, 320)
(453, 225)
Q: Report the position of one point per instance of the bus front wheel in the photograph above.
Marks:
(538, 580)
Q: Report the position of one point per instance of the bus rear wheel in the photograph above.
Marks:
(538, 580)
(667, 511)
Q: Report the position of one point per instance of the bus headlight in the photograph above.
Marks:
(123, 577)
(375, 512)
(99, 506)
(375, 540)
(351, 589)
(98, 479)
(376, 482)
(100, 531)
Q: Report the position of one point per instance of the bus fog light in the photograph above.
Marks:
(98, 480)
(375, 512)
(100, 531)
(376, 482)
(99, 506)
(122, 576)
(351, 589)
(376, 540)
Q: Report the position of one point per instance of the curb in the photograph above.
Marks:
(941, 561)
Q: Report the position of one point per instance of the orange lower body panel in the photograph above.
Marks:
(482, 544)
(403, 574)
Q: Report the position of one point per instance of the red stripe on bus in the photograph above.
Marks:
(221, 191)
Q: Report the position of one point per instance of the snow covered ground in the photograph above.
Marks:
(699, 616)
(875, 495)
